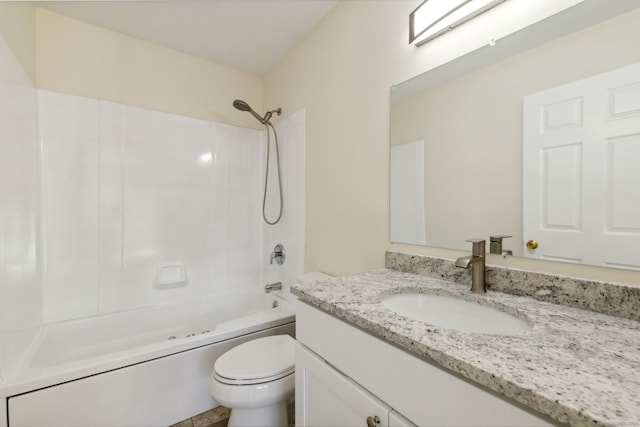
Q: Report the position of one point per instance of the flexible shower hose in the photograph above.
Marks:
(266, 178)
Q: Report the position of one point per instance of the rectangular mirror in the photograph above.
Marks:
(469, 115)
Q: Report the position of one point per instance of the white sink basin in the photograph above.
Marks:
(454, 313)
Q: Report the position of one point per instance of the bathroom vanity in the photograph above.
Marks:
(361, 363)
(348, 377)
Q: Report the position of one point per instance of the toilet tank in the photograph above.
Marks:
(313, 276)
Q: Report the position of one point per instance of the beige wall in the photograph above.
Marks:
(336, 76)
(341, 73)
(81, 59)
(17, 27)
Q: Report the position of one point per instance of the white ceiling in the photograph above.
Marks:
(251, 35)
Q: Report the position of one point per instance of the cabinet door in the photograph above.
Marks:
(397, 420)
(325, 397)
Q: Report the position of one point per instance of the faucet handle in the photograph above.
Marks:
(477, 247)
(495, 244)
(277, 254)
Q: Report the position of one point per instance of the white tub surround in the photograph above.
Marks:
(19, 269)
(575, 366)
(117, 207)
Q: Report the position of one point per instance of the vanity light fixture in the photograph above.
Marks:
(435, 17)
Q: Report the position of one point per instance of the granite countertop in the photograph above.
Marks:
(576, 366)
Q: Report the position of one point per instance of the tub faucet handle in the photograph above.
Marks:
(277, 254)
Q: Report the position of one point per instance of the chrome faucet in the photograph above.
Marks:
(272, 287)
(476, 263)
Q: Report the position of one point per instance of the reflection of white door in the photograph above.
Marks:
(406, 194)
(581, 171)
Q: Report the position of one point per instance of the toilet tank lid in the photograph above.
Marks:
(260, 358)
(314, 276)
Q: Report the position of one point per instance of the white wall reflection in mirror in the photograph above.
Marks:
(470, 115)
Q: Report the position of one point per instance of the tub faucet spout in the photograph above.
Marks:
(272, 287)
(476, 262)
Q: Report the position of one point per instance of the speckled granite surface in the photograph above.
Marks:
(608, 298)
(577, 366)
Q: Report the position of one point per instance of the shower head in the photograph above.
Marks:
(243, 106)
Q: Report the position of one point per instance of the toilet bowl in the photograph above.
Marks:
(255, 380)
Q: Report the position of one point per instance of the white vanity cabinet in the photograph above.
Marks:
(345, 375)
(327, 398)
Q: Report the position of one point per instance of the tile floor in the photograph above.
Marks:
(216, 417)
(219, 417)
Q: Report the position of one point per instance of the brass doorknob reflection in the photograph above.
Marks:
(532, 244)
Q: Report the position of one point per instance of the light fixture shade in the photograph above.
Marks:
(435, 17)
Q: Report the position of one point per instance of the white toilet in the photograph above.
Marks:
(255, 380)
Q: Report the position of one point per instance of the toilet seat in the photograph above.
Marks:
(256, 362)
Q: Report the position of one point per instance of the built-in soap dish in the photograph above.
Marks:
(171, 275)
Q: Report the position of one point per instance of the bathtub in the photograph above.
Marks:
(144, 367)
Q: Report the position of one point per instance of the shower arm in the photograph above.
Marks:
(269, 114)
